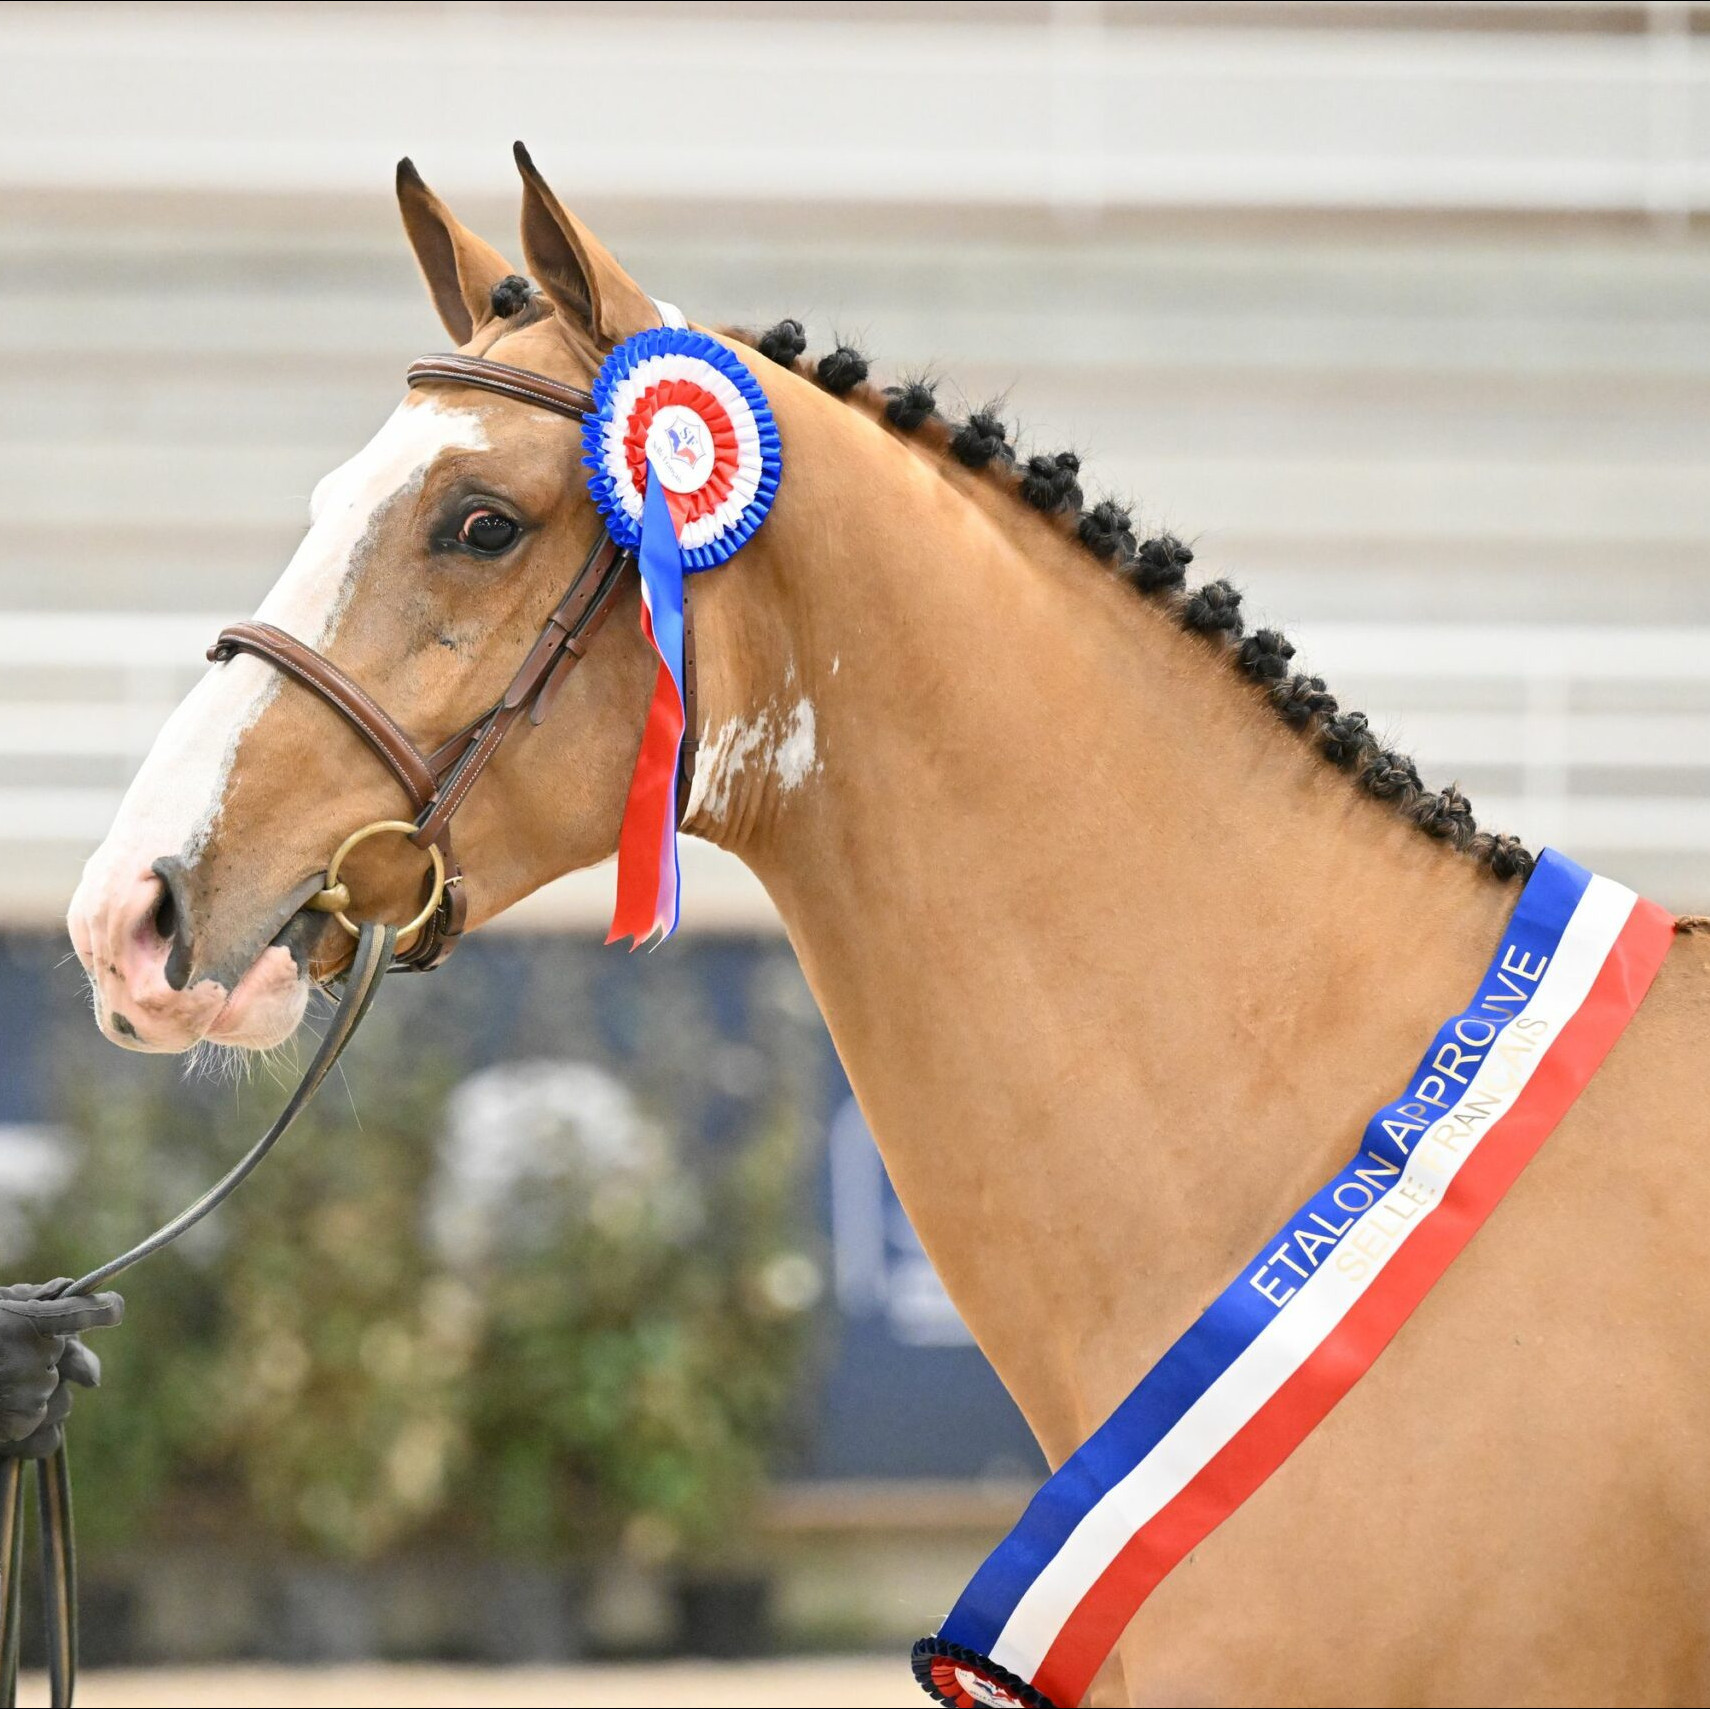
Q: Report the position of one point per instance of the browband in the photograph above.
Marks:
(500, 377)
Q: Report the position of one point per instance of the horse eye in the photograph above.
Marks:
(487, 531)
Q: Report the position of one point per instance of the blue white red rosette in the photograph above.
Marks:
(683, 462)
(960, 1678)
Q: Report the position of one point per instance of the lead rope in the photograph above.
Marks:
(375, 948)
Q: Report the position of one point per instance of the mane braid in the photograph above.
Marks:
(911, 403)
(1157, 568)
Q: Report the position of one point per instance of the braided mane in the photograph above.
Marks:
(1157, 567)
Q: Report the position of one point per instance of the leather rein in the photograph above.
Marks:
(437, 783)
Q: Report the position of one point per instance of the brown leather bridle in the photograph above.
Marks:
(438, 783)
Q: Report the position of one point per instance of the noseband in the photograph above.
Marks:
(437, 783)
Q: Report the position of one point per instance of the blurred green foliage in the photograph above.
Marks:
(385, 1338)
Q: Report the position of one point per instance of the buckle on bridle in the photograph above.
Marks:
(334, 896)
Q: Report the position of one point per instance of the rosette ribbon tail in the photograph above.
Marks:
(648, 878)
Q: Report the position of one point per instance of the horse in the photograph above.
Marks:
(1121, 926)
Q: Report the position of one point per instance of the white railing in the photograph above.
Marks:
(96, 689)
(1064, 106)
(1411, 677)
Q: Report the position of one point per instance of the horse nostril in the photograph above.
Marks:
(166, 913)
(172, 921)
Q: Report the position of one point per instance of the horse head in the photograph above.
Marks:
(432, 559)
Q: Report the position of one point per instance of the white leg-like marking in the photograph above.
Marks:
(171, 804)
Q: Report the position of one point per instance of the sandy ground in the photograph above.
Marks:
(857, 1681)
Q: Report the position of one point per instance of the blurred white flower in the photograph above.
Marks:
(792, 1282)
(527, 1142)
(36, 1161)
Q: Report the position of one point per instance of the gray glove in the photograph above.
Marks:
(40, 1356)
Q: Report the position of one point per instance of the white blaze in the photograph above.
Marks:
(171, 804)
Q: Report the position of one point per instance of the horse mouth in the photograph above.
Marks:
(317, 943)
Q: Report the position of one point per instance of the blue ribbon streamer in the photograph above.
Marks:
(660, 559)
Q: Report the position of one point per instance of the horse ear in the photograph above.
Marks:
(460, 269)
(574, 268)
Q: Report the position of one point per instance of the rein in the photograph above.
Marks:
(375, 946)
(437, 784)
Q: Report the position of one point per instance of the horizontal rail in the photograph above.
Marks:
(118, 674)
(110, 640)
(57, 729)
(1117, 117)
(1647, 741)
(1464, 651)
(1647, 823)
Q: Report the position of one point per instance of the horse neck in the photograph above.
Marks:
(1117, 965)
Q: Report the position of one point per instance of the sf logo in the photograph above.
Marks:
(680, 448)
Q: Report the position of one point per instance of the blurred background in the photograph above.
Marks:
(586, 1324)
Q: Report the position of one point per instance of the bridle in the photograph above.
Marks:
(437, 783)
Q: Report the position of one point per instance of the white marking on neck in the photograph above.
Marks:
(172, 803)
(783, 745)
(795, 757)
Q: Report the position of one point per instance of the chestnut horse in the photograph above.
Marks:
(1118, 959)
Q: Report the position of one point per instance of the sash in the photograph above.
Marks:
(1269, 1358)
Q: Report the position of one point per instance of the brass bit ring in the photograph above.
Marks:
(334, 897)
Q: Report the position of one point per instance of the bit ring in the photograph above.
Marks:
(334, 898)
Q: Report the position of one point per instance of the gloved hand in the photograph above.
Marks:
(40, 1356)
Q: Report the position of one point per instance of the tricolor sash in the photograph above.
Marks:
(1269, 1358)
